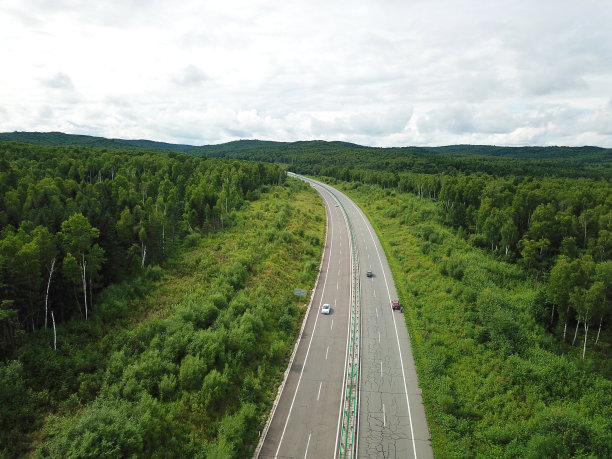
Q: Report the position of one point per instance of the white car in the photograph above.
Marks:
(325, 309)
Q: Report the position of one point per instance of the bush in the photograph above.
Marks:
(192, 240)
(215, 389)
(192, 372)
(105, 429)
(167, 385)
(154, 273)
(15, 407)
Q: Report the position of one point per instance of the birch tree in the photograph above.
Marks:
(603, 274)
(559, 289)
(593, 301)
(77, 237)
(48, 255)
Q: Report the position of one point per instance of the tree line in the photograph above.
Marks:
(331, 159)
(558, 229)
(76, 219)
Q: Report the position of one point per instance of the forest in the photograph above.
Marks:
(144, 309)
(503, 255)
(75, 219)
(332, 159)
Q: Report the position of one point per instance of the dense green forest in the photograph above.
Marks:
(333, 159)
(503, 255)
(498, 379)
(75, 219)
(66, 140)
(145, 308)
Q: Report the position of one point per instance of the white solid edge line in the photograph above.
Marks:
(307, 444)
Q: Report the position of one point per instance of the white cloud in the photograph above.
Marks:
(377, 73)
(59, 81)
(190, 75)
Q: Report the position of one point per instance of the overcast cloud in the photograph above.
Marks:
(373, 72)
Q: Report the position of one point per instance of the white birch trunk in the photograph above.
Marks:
(54, 333)
(84, 279)
(565, 326)
(47, 292)
(586, 332)
(575, 333)
(599, 331)
(143, 252)
(552, 314)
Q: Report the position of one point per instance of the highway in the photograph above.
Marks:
(391, 421)
(306, 420)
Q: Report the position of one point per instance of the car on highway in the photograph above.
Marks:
(369, 274)
(396, 305)
(325, 309)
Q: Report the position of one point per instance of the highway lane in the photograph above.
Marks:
(306, 419)
(392, 420)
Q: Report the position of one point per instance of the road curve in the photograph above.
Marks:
(306, 418)
(391, 422)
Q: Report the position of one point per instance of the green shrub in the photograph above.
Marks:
(16, 409)
(154, 273)
(192, 372)
(215, 389)
(192, 240)
(167, 386)
(104, 429)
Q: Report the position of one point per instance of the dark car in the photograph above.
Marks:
(369, 274)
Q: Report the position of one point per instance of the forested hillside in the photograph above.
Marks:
(72, 140)
(76, 219)
(335, 159)
(147, 304)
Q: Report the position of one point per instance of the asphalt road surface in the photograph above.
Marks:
(392, 422)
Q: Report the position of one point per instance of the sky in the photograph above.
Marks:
(373, 72)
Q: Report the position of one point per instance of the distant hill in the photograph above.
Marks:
(314, 156)
(59, 139)
(526, 152)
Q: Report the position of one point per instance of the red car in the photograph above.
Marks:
(396, 305)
